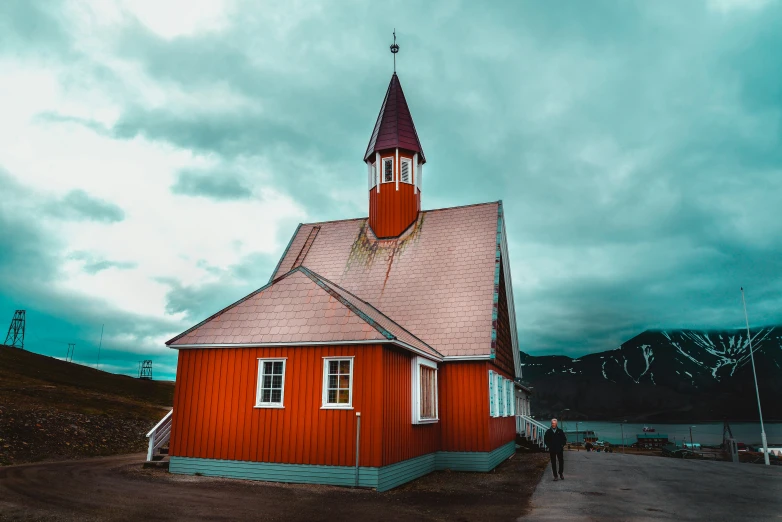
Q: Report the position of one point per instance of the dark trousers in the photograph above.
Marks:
(557, 455)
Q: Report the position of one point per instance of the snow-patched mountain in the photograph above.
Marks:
(666, 375)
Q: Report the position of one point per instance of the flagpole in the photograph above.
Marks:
(757, 392)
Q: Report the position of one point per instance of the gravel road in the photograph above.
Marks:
(117, 488)
(600, 486)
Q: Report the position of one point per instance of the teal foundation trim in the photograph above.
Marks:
(474, 460)
(271, 472)
(382, 479)
(397, 474)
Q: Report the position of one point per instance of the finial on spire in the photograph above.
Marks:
(394, 49)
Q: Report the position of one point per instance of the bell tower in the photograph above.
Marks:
(395, 160)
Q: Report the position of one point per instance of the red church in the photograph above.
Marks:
(381, 349)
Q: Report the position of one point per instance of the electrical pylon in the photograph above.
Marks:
(15, 335)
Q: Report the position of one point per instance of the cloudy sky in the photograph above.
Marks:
(156, 156)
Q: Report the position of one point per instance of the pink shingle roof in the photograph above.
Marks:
(299, 308)
(436, 280)
(375, 316)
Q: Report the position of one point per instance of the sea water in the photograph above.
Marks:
(706, 433)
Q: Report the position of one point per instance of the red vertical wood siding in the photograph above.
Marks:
(214, 413)
(402, 439)
(464, 406)
(391, 211)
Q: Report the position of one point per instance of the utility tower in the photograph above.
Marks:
(145, 370)
(71, 348)
(15, 335)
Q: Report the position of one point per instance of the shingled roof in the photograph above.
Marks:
(299, 308)
(394, 126)
(437, 280)
(433, 290)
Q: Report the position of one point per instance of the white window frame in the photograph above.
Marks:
(500, 396)
(417, 362)
(492, 394)
(383, 170)
(508, 404)
(258, 403)
(402, 162)
(511, 398)
(325, 405)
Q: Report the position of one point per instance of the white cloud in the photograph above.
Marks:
(727, 6)
(163, 235)
(168, 19)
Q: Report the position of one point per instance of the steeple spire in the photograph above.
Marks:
(395, 160)
(394, 126)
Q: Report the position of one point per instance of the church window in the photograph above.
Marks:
(271, 383)
(338, 383)
(425, 400)
(405, 171)
(388, 170)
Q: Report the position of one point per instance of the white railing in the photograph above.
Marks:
(159, 435)
(531, 429)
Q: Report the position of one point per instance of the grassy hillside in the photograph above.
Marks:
(52, 409)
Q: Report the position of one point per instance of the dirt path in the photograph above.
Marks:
(116, 488)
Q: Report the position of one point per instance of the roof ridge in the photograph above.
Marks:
(464, 206)
(336, 221)
(315, 278)
(329, 282)
(423, 211)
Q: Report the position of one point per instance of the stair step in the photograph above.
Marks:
(163, 451)
(158, 457)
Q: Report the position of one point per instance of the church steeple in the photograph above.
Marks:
(394, 127)
(395, 161)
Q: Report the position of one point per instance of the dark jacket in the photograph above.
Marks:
(555, 442)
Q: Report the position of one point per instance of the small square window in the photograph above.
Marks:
(338, 383)
(388, 170)
(271, 383)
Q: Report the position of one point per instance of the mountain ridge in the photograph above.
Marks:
(664, 374)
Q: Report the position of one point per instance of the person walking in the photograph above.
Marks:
(555, 441)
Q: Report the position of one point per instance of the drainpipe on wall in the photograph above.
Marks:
(358, 436)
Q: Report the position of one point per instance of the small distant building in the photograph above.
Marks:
(651, 440)
(582, 436)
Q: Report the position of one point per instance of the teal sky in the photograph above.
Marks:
(156, 156)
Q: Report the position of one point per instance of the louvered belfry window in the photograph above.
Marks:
(428, 392)
(405, 171)
(388, 170)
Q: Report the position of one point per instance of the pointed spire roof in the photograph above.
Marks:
(394, 127)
